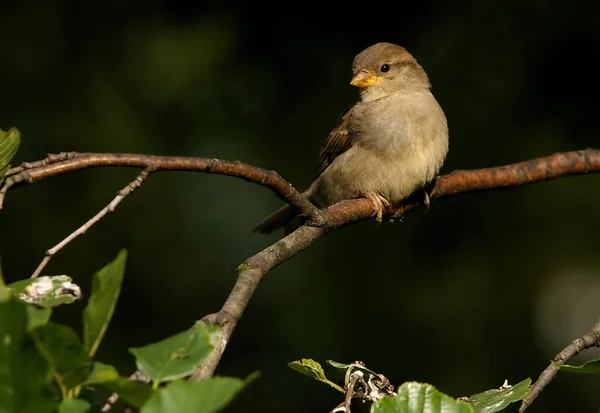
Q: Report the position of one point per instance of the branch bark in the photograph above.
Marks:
(251, 272)
(62, 163)
(590, 339)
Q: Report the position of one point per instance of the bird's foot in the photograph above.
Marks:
(427, 190)
(426, 200)
(398, 213)
(379, 203)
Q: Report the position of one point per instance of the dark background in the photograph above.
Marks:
(485, 287)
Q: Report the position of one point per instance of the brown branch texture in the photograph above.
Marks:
(590, 339)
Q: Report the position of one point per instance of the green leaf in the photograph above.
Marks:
(34, 380)
(496, 400)
(340, 370)
(389, 404)
(313, 370)
(74, 406)
(133, 392)
(9, 143)
(37, 317)
(204, 396)
(60, 346)
(23, 372)
(591, 366)
(101, 373)
(46, 291)
(345, 367)
(177, 356)
(420, 398)
(106, 286)
(12, 333)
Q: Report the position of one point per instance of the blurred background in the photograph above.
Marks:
(485, 287)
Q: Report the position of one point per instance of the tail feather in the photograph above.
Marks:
(286, 216)
(278, 219)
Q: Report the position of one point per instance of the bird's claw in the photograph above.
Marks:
(426, 200)
(379, 203)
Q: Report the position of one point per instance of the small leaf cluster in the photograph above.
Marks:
(46, 367)
(410, 397)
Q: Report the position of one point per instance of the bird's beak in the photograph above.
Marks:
(364, 78)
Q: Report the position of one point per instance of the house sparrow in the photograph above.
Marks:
(390, 144)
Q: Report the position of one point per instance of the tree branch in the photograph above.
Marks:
(251, 272)
(590, 339)
(62, 163)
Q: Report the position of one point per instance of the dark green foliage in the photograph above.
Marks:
(44, 366)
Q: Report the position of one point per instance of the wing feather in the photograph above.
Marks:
(338, 142)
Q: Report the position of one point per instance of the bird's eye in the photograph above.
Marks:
(385, 68)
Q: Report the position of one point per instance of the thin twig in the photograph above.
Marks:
(132, 186)
(346, 405)
(350, 393)
(590, 339)
(51, 158)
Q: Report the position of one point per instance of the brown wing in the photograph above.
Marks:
(338, 142)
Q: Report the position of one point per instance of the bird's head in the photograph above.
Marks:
(385, 68)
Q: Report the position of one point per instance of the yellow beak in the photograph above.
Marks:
(364, 78)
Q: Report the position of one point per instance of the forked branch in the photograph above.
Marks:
(251, 272)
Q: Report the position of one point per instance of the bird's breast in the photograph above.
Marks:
(397, 148)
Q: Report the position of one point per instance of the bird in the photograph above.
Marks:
(386, 147)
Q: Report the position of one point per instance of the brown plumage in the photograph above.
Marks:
(391, 143)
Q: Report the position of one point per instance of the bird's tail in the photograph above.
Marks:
(279, 218)
(287, 216)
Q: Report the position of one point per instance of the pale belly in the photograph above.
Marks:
(394, 176)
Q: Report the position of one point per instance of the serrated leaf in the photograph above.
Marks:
(74, 406)
(9, 143)
(37, 317)
(133, 392)
(60, 346)
(313, 370)
(47, 291)
(206, 396)
(106, 286)
(23, 372)
(591, 366)
(177, 356)
(420, 398)
(496, 400)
